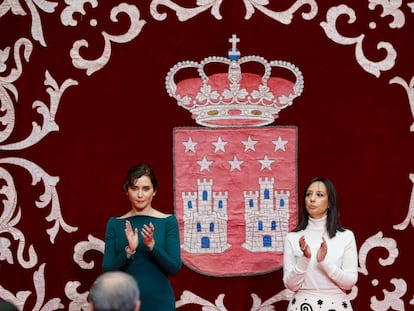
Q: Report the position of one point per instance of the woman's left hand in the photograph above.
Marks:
(147, 233)
(322, 251)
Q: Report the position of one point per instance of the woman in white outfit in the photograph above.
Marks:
(320, 258)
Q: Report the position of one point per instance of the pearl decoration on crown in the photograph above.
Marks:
(234, 98)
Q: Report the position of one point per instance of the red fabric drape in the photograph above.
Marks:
(83, 98)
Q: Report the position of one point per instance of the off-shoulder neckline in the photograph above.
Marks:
(142, 215)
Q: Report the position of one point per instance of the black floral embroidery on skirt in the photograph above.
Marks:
(305, 307)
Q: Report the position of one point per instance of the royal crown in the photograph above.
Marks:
(233, 98)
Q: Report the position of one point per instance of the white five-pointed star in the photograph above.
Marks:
(235, 164)
(219, 144)
(266, 163)
(279, 144)
(204, 164)
(189, 145)
(249, 144)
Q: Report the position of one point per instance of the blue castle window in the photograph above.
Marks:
(266, 194)
(205, 195)
(205, 242)
(260, 225)
(190, 204)
(251, 203)
(267, 241)
(273, 225)
(212, 227)
(282, 202)
(220, 204)
(198, 227)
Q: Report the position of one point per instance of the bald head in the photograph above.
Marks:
(115, 291)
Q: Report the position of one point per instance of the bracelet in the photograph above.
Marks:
(128, 252)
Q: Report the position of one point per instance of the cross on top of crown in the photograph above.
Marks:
(234, 53)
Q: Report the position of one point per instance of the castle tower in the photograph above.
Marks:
(267, 225)
(205, 195)
(282, 206)
(251, 201)
(205, 219)
(266, 194)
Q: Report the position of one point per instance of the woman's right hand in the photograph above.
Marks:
(131, 236)
(304, 247)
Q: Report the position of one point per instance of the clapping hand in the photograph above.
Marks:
(132, 236)
(322, 251)
(304, 247)
(147, 233)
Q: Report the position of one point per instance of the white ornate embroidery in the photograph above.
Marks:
(6, 84)
(184, 14)
(16, 8)
(20, 298)
(267, 305)
(49, 124)
(48, 197)
(377, 241)
(188, 297)
(79, 301)
(390, 8)
(10, 217)
(82, 247)
(331, 31)
(409, 88)
(284, 17)
(75, 6)
(392, 300)
(410, 214)
(92, 66)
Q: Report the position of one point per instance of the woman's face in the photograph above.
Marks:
(316, 200)
(140, 194)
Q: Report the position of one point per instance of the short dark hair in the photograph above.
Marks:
(333, 221)
(138, 171)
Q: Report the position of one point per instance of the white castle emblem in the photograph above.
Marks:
(266, 215)
(234, 98)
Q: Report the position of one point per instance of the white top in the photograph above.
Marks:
(339, 269)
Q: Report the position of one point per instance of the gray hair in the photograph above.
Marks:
(114, 291)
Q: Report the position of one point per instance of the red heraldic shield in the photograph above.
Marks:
(235, 197)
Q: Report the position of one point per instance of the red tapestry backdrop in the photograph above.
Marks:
(83, 97)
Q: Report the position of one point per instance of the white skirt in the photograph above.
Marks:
(319, 300)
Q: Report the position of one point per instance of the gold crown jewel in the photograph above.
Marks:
(234, 98)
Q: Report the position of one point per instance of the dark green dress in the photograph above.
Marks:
(150, 268)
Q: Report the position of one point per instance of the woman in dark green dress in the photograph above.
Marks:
(144, 242)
